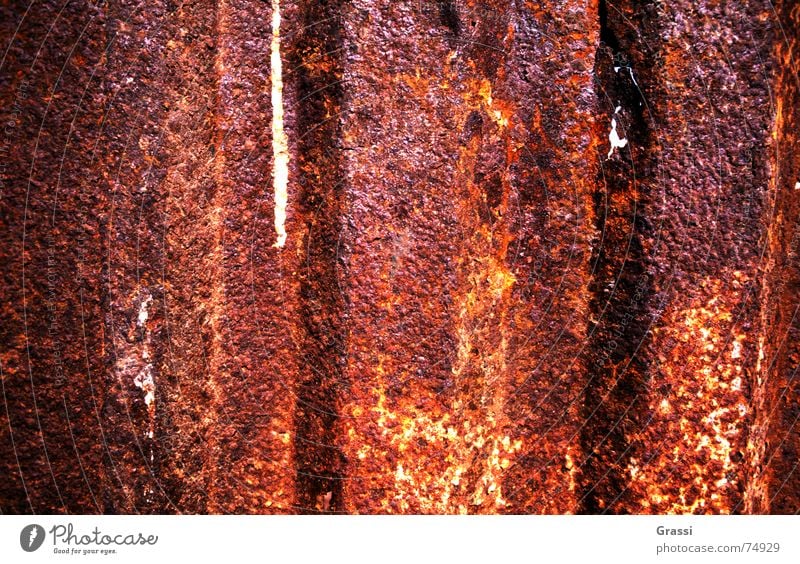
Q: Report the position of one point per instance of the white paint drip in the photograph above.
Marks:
(280, 143)
(613, 137)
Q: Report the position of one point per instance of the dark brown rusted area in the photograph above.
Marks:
(541, 257)
(618, 322)
(315, 105)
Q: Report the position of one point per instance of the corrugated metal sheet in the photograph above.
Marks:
(540, 257)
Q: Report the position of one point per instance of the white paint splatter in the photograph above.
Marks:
(144, 381)
(737, 349)
(143, 307)
(613, 136)
(797, 185)
(280, 143)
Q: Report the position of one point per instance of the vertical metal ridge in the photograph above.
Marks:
(617, 324)
(314, 90)
(774, 439)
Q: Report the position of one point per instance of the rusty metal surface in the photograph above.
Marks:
(540, 257)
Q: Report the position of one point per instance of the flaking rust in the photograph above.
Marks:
(400, 257)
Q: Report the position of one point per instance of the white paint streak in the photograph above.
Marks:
(144, 378)
(630, 70)
(280, 143)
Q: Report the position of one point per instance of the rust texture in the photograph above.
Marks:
(540, 257)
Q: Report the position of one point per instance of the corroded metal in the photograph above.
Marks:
(539, 257)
